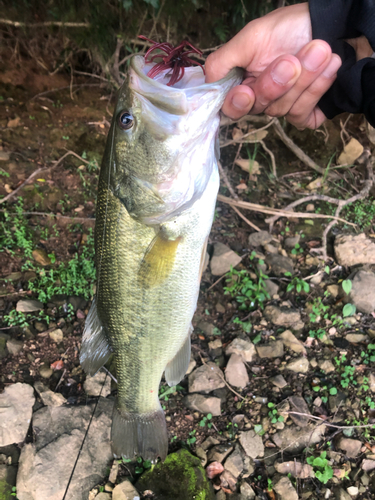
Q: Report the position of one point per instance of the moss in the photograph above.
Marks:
(180, 476)
(5, 491)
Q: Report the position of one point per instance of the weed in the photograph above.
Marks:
(142, 466)
(191, 439)
(245, 325)
(317, 334)
(297, 284)
(297, 250)
(206, 421)
(274, 414)
(322, 467)
(318, 310)
(367, 357)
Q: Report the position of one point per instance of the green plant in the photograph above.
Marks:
(318, 310)
(206, 421)
(245, 325)
(297, 284)
(191, 439)
(274, 414)
(297, 250)
(269, 484)
(318, 334)
(248, 293)
(367, 357)
(322, 467)
(142, 465)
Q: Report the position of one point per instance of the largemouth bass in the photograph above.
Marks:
(156, 198)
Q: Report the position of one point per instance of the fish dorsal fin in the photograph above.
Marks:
(95, 349)
(158, 261)
(177, 367)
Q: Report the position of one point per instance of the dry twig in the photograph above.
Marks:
(18, 24)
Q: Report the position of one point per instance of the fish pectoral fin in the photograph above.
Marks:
(177, 367)
(139, 434)
(95, 349)
(158, 261)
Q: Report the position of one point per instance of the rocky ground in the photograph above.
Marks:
(278, 402)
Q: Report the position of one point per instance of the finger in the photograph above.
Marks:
(274, 82)
(238, 102)
(314, 58)
(301, 113)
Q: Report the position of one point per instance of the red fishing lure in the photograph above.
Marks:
(176, 59)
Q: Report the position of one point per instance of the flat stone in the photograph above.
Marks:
(271, 287)
(219, 453)
(45, 371)
(259, 238)
(299, 365)
(299, 405)
(104, 496)
(234, 463)
(125, 491)
(279, 381)
(252, 444)
(45, 466)
(372, 382)
(291, 242)
(114, 472)
(272, 350)
(14, 346)
(93, 385)
(220, 308)
(16, 402)
(333, 290)
(48, 397)
(353, 491)
(341, 494)
(57, 335)
(289, 340)
(203, 404)
(41, 257)
(356, 338)
(215, 348)
(209, 442)
(351, 447)
(4, 156)
(296, 469)
(279, 264)
(235, 372)
(247, 492)
(368, 465)
(223, 259)
(295, 439)
(362, 294)
(243, 348)
(207, 328)
(282, 316)
(206, 378)
(326, 366)
(270, 248)
(285, 490)
(27, 306)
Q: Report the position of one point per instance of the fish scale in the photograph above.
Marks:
(149, 259)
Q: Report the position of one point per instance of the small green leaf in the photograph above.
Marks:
(333, 391)
(347, 286)
(348, 310)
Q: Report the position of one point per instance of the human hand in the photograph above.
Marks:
(286, 72)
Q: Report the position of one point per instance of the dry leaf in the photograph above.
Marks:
(237, 134)
(214, 469)
(241, 186)
(351, 152)
(14, 123)
(318, 183)
(7, 188)
(251, 166)
(58, 365)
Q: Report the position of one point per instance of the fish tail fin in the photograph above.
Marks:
(139, 434)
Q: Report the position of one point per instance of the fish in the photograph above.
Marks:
(155, 206)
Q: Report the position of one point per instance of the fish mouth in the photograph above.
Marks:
(177, 99)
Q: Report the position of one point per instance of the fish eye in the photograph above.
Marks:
(125, 120)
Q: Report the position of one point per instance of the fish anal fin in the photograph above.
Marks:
(157, 263)
(143, 435)
(95, 349)
(177, 367)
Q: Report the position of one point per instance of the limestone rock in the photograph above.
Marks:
(206, 378)
(48, 397)
(41, 257)
(203, 404)
(362, 294)
(296, 439)
(299, 365)
(271, 287)
(326, 366)
(259, 238)
(356, 338)
(234, 463)
(93, 385)
(282, 316)
(279, 381)
(235, 372)
(45, 466)
(125, 491)
(27, 306)
(252, 444)
(351, 152)
(291, 341)
(57, 335)
(285, 490)
(14, 346)
(16, 404)
(243, 348)
(215, 348)
(222, 259)
(271, 350)
(296, 469)
(299, 405)
(218, 453)
(292, 241)
(247, 492)
(351, 447)
(180, 476)
(354, 249)
(368, 465)
(279, 264)
(341, 494)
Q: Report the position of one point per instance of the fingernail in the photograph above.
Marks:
(283, 72)
(314, 57)
(241, 101)
(332, 67)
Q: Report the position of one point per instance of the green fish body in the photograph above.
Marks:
(156, 198)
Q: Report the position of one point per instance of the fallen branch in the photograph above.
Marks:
(39, 171)
(294, 148)
(57, 216)
(17, 24)
(273, 211)
(313, 417)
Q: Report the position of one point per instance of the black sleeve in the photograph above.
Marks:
(354, 88)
